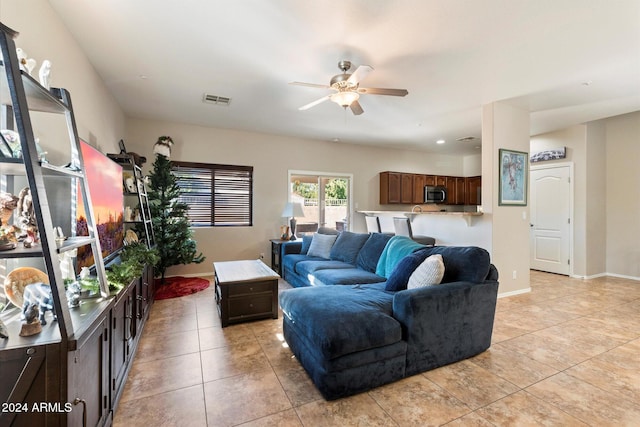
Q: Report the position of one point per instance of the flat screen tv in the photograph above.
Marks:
(104, 177)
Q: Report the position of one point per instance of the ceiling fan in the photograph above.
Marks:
(347, 88)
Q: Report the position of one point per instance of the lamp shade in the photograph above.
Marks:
(292, 210)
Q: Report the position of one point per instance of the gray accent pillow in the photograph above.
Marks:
(321, 245)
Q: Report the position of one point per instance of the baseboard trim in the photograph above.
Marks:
(597, 276)
(512, 293)
(623, 276)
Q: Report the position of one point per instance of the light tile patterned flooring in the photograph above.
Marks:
(565, 354)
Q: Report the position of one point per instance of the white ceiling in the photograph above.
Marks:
(158, 58)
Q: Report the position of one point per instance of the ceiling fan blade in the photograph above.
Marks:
(356, 108)
(310, 85)
(381, 91)
(359, 74)
(314, 103)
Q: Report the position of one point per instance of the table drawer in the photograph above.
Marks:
(250, 288)
(250, 305)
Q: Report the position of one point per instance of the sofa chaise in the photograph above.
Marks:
(351, 337)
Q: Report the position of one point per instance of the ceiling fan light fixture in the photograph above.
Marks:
(345, 98)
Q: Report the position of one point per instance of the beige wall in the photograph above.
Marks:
(505, 126)
(99, 119)
(272, 157)
(623, 195)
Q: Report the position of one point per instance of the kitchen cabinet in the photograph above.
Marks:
(473, 190)
(391, 190)
(418, 188)
(455, 190)
(408, 188)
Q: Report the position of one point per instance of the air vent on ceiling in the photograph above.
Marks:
(466, 139)
(216, 99)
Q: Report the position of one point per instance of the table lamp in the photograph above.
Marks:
(293, 210)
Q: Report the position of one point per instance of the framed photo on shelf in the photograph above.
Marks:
(513, 178)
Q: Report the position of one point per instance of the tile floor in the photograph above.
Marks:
(565, 354)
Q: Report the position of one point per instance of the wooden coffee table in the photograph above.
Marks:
(245, 290)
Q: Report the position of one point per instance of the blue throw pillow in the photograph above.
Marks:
(370, 253)
(399, 277)
(347, 246)
(306, 243)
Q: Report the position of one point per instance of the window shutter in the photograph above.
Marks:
(232, 197)
(217, 195)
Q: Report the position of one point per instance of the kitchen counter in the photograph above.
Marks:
(468, 217)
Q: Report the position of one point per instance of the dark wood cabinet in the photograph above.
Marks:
(89, 378)
(418, 188)
(408, 188)
(390, 183)
(455, 190)
(473, 190)
(29, 377)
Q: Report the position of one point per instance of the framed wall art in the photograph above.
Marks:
(513, 178)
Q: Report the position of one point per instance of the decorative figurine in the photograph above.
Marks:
(163, 146)
(38, 294)
(27, 216)
(73, 294)
(32, 325)
(45, 74)
(26, 64)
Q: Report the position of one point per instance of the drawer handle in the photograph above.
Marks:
(250, 289)
(251, 305)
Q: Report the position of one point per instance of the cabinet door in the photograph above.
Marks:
(30, 376)
(406, 188)
(460, 191)
(473, 185)
(89, 377)
(120, 345)
(418, 188)
(389, 187)
(429, 180)
(449, 183)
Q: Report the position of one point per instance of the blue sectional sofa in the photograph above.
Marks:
(352, 334)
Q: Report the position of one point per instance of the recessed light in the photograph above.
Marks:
(587, 83)
(440, 141)
(143, 77)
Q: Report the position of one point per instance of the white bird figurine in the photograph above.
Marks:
(45, 74)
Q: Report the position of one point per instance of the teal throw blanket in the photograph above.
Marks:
(397, 248)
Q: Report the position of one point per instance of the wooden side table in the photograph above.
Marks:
(276, 254)
(245, 290)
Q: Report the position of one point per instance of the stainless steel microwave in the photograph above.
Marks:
(435, 194)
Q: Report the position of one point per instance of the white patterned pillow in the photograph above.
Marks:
(321, 245)
(428, 273)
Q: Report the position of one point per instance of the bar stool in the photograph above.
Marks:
(373, 224)
(403, 228)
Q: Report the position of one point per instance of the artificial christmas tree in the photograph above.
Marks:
(174, 238)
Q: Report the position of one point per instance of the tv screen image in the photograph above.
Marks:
(104, 177)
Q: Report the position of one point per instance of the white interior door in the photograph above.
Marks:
(550, 236)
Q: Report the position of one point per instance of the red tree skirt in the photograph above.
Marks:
(179, 286)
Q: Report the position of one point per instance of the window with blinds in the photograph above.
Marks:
(217, 195)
